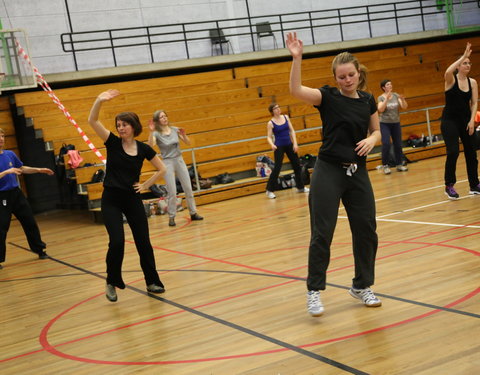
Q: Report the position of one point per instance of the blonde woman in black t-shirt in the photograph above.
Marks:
(350, 131)
(121, 194)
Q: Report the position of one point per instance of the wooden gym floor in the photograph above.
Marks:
(235, 299)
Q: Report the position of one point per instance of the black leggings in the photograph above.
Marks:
(293, 157)
(451, 131)
(328, 186)
(114, 203)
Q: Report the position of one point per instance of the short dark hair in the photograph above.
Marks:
(132, 119)
(383, 83)
(271, 107)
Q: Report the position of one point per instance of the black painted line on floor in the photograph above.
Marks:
(248, 331)
(387, 296)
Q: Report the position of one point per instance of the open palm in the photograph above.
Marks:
(108, 95)
(294, 45)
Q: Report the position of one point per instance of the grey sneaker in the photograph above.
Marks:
(153, 288)
(386, 169)
(314, 304)
(366, 296)
(111, 293)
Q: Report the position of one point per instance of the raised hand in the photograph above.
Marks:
(294, 45)
(468, 50)
(151, 125)
(108, 95)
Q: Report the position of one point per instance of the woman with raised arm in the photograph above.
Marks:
(350, 131)
(282, 139)
(168, 138)
(458, 121)
(121, 194)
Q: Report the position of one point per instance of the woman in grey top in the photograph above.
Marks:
(167, 139)
(388, 105)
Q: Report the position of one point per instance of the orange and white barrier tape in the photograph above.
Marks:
(42, 82)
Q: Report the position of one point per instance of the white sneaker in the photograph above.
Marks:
(366, 296)
(314, 304)
(270, 194)
(402, 168)
(304, 190)
(386, 169)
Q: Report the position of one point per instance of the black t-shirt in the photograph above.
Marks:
(123, 170)
(345, 122)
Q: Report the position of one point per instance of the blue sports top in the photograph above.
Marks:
(8, 160)
(282, 133)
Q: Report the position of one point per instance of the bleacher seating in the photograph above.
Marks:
(222, 110)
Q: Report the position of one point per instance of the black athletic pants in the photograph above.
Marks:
(329, 185)
(14, 202)
(114, 203)
(293, 157)
(451, 132)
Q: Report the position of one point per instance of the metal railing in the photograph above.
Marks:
(427, 131)
(194, 38)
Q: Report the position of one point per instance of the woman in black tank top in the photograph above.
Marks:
(458, 121)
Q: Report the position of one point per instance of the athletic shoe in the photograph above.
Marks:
(314, 304)
(402, 168)
(111, 293)
(1, 266)
(475, 190)
(171, 222)
(366, 296)
(42, 255)
(304, 190)
(451, 192)
(153, 288)
(270, 194)
(386, 169)
(196, 216)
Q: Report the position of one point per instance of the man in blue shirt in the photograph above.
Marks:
(13, 201)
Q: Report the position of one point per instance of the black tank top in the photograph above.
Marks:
(457, 103)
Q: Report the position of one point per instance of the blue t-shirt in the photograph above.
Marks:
(8, 160)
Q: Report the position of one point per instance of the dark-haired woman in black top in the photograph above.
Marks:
(121, 195)
(350, 131)
(458, 121)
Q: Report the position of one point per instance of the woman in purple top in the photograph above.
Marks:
(285, 142)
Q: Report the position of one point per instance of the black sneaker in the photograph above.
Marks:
(42, 255)
(475, 190)
(171, 222)
(153, 288)
(451, 192)
(196, 216)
